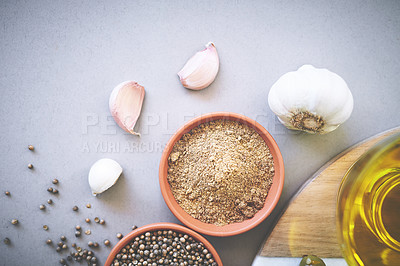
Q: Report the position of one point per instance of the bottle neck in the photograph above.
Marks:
(384, 195)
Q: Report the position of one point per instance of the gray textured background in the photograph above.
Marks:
(61, 59)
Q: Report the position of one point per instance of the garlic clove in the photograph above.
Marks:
(103, 174)
(313, 100)
(201, 69)
(125, 104)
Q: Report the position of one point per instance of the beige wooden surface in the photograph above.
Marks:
(308, 225)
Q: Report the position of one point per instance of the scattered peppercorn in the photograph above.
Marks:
(88, 232)
(30, 166)
(84, 254)
(90, 244)
(119, 235)
(75, 208)
(14, 221)
(55, 191)
(107, 242)
(31, 148)
(55, 181)
(6, 241)
(7, 193)
(50, 189)
(77, 233)
(102, 221)
(45, 227)
(58, 249)
(42, 207)
(50, 201)
(73, 245)
(87, 220)
(64, 246)
(88, 205)
(63, 238)
(78, 227)
(48, 241)
(134, 227)
(95, 244)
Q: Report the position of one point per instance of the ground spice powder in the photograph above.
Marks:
(220, 172)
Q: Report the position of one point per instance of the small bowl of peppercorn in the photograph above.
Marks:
(221, 174)
(163, 244)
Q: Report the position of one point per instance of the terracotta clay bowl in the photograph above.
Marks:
(161, 226)
(234, 228)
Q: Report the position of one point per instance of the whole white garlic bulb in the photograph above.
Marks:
(201, 69)
(311, 99)
(103, 174)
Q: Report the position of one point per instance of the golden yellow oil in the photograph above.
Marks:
(368, 210)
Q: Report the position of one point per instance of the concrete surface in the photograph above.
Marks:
(61, 59)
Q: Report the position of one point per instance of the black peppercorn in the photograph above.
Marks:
(7, 193)
(63, 238)
(102, 221)
(90, 243)
(14, 221)
(58, 249)
(55, 181)
(30, 166)
(87, 220)
(50, 189)
(107, 242)
(96, 219)
(42, 207)
(75, 208)
(45, 227)
(31, 148)
(95, 244)
(78, 227)
(164, 247)
(119, 235)
(6, 241)
(48, 241)
(50, 201)
(55, 191)
(77, 233)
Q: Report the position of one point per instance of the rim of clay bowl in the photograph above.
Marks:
(161, 226)
(234, 228)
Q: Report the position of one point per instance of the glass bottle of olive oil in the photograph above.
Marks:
(368, 210)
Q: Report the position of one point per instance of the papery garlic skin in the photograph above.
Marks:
(314, 100)
(125, 104)
(201, 69)
(103, 174)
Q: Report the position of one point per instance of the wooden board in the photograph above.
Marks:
(308, 225)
